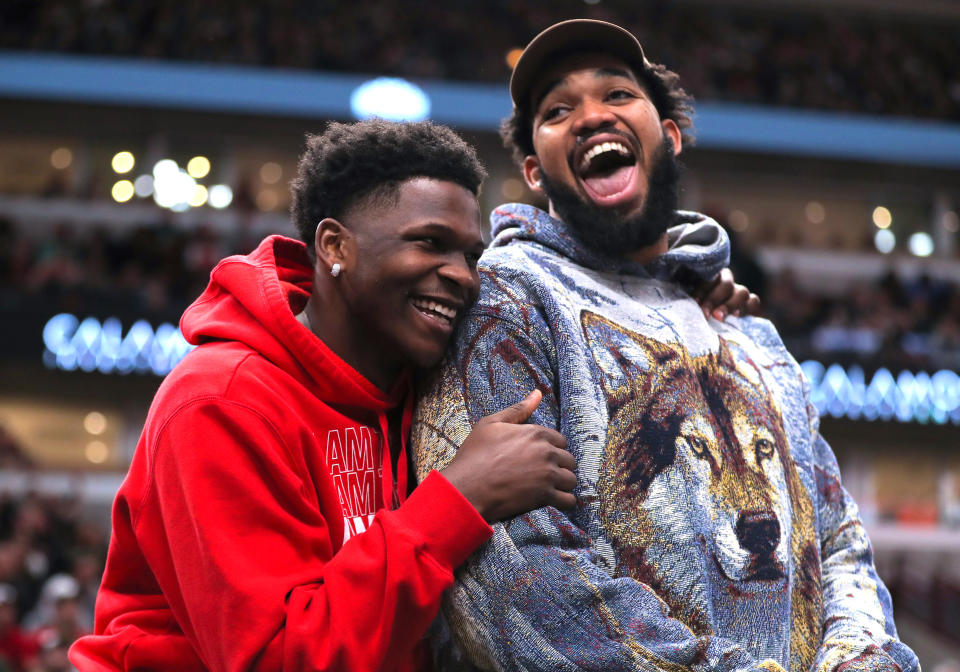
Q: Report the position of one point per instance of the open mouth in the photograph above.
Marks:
(442, 313)
(608, 170)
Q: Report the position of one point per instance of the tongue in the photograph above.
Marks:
(609, 183)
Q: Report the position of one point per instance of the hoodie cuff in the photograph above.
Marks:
(452, 529)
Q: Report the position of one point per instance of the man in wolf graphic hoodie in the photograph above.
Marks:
(711, 530)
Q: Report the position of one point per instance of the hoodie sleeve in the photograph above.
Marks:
(539, 596)
(243, 554)
(859, 631)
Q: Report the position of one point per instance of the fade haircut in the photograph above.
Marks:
(663, 86)
(367, 161)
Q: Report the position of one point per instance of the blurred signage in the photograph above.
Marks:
(88, 345)
(907, 397)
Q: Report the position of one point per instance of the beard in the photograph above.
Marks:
(605, 231)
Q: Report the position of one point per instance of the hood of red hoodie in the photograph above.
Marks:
(253, 299)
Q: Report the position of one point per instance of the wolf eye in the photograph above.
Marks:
(698, 446)
(764, 448)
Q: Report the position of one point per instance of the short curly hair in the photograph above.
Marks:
(352, 163)
(663, 85)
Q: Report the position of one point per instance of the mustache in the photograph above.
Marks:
(608, 233)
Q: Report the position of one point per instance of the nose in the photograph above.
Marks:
(458, 271)
(758, 531)
(593, 115)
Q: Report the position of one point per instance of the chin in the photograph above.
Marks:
(425, 357)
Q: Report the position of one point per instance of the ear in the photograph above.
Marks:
(332, 243)
(671, 130)
(531, 173)
(627, 358)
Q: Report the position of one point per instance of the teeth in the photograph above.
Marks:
(596, 150)
(434, 307)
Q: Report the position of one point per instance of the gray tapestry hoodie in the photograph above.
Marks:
(711, 532)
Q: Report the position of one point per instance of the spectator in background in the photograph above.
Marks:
(875, 63)
(18, 650)
(58, 615)
(42, 546)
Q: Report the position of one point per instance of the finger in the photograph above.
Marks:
(565, 480)
(754, 305)
(562, 500)
(520, 411)
(719, 294)
(704, 289)
(737, 301)
(563, 458)
(547, 435)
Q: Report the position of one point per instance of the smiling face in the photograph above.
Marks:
(410, 271)
(597, 135)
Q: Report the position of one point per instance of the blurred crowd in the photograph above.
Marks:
(897, 323)
(149, 270)
(925, 586)
(156, 270)
(802, 57)
(50, 566)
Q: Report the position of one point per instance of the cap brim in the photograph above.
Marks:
(575, 35)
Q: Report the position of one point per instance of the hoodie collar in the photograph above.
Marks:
(253, 299)
(698, 246)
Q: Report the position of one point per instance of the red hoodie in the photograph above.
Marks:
(259, 458)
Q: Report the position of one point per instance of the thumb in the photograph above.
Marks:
(520, 411)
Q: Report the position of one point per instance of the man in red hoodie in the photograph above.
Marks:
(268, 521)
(265, 522)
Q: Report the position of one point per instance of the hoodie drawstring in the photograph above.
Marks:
(395, 494)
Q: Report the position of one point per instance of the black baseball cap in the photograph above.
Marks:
(575, 35)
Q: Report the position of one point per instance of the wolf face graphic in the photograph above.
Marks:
(699, 495)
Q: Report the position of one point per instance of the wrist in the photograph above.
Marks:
(461, 484)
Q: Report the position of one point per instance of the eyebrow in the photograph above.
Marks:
(598, 73)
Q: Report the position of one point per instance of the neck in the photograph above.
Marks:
(647, 254)
(336, 329)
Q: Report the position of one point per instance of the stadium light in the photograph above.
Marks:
(738, 220)
(815, 212)
(920, 244)
(61, 158)
(122, 162)
(271, 172)
(390, 98)
(200, 196)
(95, 423)
(143, 186)
(122, 191)
(173, 189)
(97, 452)
(198, 166)
(882, 217)
(220, 196)
(885, 241)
